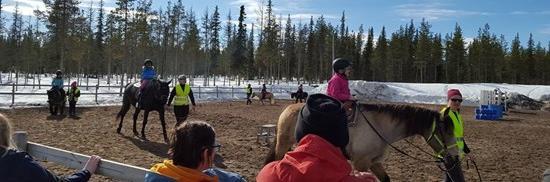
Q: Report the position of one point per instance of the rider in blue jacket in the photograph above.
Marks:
(148, 73)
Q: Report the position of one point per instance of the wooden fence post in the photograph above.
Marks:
(199, 91)
(20, 139)
(217, 96)
(12, 94)
(39, 81)
(121, 85)
(96, 89)
(232, 94)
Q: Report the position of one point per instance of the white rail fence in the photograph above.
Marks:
(73, 160)
(199, 91)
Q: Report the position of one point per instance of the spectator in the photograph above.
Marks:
(192, 151)
(17, 166)
(322, 133)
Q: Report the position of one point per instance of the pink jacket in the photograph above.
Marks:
(314, 159)
(338, 88)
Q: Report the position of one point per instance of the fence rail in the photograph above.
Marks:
(111, 169)
(199, 91)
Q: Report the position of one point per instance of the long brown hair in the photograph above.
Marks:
(6, 132)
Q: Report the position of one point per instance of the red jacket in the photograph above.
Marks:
(314, 159)
(338, 88)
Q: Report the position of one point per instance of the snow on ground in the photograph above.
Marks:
(429, 93)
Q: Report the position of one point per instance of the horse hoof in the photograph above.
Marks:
(118, 130)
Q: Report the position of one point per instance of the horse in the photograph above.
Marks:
(299, 97)
(372, 128)
(56, 101)
(268, 95)
(154, 97)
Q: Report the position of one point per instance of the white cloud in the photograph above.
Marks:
(545, 30)
(26, 7)
(433, 12)
(519, 13)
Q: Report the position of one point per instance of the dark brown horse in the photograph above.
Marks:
(154, 97)
(376, 127)
(56, 101)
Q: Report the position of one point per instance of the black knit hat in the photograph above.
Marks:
(323, 116)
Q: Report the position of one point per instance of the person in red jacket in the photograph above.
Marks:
(338, 86)
(322, 133)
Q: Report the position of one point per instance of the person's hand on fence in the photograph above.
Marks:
(92, 164)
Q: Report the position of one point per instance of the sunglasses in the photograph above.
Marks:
(216, 147)
(456, 100)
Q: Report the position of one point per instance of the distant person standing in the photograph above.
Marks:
(248, 94)
(73, 93)
(182, 92)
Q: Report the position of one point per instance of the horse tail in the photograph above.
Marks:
(126, 102)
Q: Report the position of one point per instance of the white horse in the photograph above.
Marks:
(375, 127)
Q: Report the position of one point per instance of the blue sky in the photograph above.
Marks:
(506, 17)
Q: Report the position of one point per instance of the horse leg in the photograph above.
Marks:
(145, 115)
(136, 114)
(380, 172)
(61, 108)
(163, 123)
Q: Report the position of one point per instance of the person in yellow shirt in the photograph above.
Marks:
(183, 93)
(192, 154)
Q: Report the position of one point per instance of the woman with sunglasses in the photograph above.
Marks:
(451, 114)
(192, 151)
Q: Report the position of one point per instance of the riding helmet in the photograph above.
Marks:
(58, 72)
(147, 61)
(340, 63)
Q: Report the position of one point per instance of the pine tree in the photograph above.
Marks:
(99, 38)
(250, 71)
(239, 54)
(455, 57)
(367, 56)
(215, 27)
(380, 57)
(423, 62)
(289, 48)
(437, 59)
(530, 61)
(14, 39)
(516, 68)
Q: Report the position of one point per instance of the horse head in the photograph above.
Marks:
(440, 137)
(164, 90)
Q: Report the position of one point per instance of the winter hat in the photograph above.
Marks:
(453, 92)
(323, 116)
(73, 84)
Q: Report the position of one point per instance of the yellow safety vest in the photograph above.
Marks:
(458, 131)
(72, 94)
(249, 90)
(182, 95)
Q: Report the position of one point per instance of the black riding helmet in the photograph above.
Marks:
(58, 72)
(147, 61)
(340, 63)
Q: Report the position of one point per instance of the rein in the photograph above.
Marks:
(439, 159)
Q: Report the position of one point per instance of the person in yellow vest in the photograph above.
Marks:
(451, 114)
(248, 94)
(73, 94)
(182, 92)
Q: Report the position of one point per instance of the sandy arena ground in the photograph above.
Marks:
(514, 149)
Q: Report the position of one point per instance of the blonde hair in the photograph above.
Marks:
(6, 132)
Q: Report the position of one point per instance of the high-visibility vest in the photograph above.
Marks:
(72, 94)
(458, 131)
(249, 90)
(182, 95)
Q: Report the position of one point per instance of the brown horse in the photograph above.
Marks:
(375, 127)
(268, 96)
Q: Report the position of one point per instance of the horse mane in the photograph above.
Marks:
(417, 119)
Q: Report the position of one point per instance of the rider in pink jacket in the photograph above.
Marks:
(338, 86)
